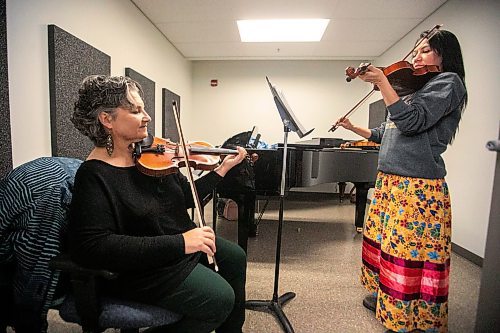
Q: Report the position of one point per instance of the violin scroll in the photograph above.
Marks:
(351, 73)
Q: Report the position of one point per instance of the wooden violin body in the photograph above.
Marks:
(361, 144)
(159, 157)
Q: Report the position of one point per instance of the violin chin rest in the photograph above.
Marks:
(147, 142)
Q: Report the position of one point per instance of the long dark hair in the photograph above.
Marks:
(446, 44)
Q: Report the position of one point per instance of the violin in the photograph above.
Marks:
(402, 76)
(361, 144)
(159, 157)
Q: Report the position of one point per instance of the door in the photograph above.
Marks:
(488, 310)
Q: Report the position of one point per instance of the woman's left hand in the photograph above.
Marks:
(373, 75)
(377, 77)
(230, 161)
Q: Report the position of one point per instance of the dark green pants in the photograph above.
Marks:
(210, 300)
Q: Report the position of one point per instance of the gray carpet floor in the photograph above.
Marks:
(320, 262)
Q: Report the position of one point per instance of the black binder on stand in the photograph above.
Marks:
(290, 124)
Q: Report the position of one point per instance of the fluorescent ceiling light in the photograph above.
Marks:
(297, 30)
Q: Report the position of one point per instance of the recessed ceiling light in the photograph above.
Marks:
(296, 30)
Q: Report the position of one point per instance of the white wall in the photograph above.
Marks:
(116, 27)
(318, 94)
(316, 91)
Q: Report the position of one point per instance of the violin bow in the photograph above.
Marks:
(201, 217)
(355, 107)
(428, 35)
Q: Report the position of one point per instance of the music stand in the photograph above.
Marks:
(290, 124)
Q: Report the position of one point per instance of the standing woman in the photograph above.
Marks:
(407, 235)
(138, 225)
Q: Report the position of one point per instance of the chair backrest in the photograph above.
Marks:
(34, 200)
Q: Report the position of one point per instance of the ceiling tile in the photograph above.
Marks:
(364, 29)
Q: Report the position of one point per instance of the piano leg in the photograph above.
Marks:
(361, 198)
(246, 216)
(341, 191)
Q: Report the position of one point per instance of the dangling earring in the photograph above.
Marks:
(109, 145)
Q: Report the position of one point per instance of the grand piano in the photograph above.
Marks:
(309, 163)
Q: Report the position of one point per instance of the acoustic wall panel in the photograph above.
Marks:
(149, 95)
(5, 137)
(377, 113)
(70, 61)
(169, 128)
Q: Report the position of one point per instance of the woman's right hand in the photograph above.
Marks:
(345, 123)
(199, 240)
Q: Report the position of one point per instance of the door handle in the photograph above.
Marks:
(493, 145)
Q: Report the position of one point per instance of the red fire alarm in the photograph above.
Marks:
(214, 83)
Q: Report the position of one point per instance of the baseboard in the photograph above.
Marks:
(315, 196)
(474, 258)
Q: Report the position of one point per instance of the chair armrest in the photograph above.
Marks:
(84, 288)
(64, 263)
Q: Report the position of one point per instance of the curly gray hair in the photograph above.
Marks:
(101, 93)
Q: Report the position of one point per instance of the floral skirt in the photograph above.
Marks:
(406, 252)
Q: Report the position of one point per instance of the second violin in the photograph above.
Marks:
(361, 144)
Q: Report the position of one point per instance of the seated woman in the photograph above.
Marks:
(138, 225)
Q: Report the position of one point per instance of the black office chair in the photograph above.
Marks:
(34, 200)
(83, 306)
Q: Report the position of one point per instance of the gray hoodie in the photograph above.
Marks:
(419, 128)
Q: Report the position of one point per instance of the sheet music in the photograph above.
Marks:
(286, 112)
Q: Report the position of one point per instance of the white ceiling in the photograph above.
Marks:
(359, 29)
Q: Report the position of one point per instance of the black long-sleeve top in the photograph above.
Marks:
(130, 223)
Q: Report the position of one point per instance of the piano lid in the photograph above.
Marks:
(318, 143)
(247, 139)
